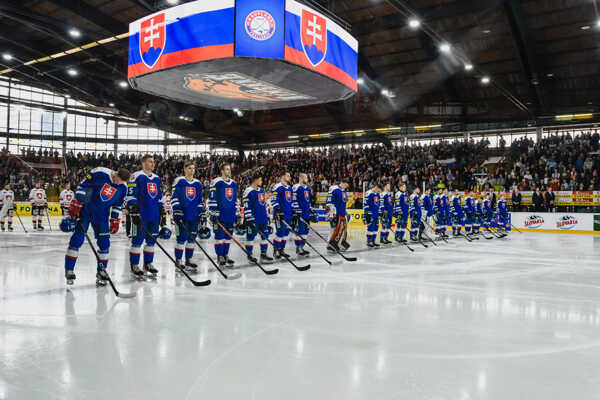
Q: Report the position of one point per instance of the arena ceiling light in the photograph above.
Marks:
(111, 104)
(468, 67)
(360, 81)
(148, 111)
(7, 56)
(238, 112)
(414, 23)
(172, 2)
(74, 32)
(123, 84)
(72, 72)
(485, 80)
(445, 48)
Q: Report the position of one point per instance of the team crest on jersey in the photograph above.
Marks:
(344, 197)
(306, 195)
(288, 195)
(107, 192)
(152, 189)
(313, 37)
(153, 37)
(376, 199)
(69, 197)
(190, 193)
(229, 193)
(39, 195)
(261, 198)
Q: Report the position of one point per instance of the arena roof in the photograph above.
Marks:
(541, 58)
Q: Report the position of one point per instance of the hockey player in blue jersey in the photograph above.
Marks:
(302, 211)
(282, 203)
(446, 210)
(144, 203)
(371, 206)
(335, 208)
(387, 212)
(401, 213)
(488, 212)
(456, 210)
(428, 207)
(223, 208)
(256, 219)
(416, 214)
(478, 214)
(188, 210)
(469, 210)
(438, 209)
(502, 210)
(101, 193)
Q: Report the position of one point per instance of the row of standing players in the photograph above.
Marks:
(104, 194)
(38, 202)
(427, 211)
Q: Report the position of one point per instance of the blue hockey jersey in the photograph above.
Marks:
(100, 196)
(222, 199)
(428, 205)
(372, 204)
(145, 191)
(187, 196)
(502, 207)
(401, 205)
(437, 204)
(255, 206)
(337, 197)
(283, 199)
(469, 205)
(387, 204)
(478, 207)
(302, 200)
(487, 206)
(415, 206)
(456, 206)
(445, 205)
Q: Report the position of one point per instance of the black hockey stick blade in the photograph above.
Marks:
(304, 268)
(238, 244)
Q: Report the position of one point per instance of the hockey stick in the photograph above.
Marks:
(326, 241)
(431, 227)
(231, 277)
(48, 218)
(101, 265)
(20, 221)
(266, 271)
(429, 238)
(305, 268)
(311, 246)
(182, 270)
(515, 228)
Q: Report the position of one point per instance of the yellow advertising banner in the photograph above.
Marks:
(24, 209)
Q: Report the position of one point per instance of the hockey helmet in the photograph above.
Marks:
(67, 225)
(164, 233)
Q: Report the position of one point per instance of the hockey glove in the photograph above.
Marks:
(75, 209)
(178, 216)
(296, 219)
(278, 219)
(114, 225)
(214, 218)
(367, 218)
(134, 213)
(314, 217)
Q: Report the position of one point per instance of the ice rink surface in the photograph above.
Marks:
(513, 318)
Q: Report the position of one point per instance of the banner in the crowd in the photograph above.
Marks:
(557, 222)
(24, 209)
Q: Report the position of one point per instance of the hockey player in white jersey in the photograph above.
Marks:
(39, 204)
(7, 207)
(65, 198)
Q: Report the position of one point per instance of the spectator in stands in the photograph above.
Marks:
(516, 200)
(549, 199)
(537, 200)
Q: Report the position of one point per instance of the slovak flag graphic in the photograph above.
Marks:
(107, 192)
(190, 193)
(314, 37)
(153, 37)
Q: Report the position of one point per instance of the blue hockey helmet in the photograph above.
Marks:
(164, 233)
(67, 225)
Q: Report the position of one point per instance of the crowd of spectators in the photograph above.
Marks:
(558, 162)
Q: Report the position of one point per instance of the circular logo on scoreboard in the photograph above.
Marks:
(260, 25)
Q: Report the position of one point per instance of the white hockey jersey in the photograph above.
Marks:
(66, 197)
(6, 197)
(37, 197)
